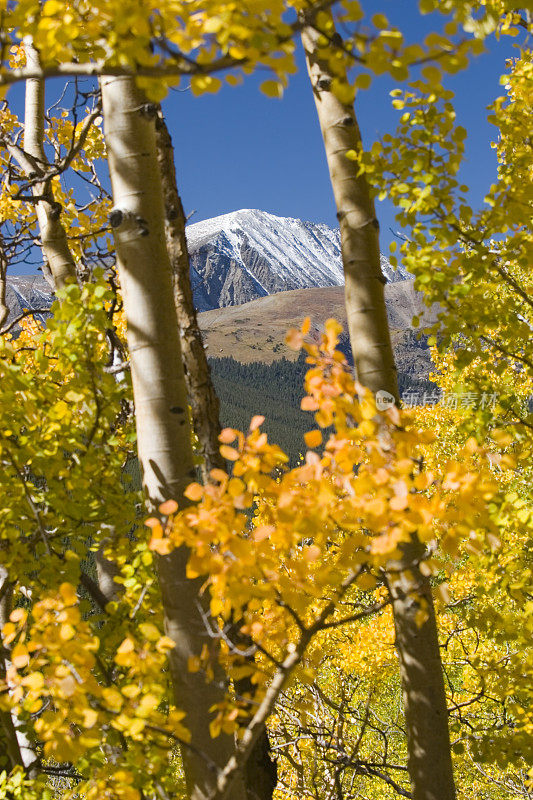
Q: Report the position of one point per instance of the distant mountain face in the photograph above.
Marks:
(27, 292)
(250, 254)
(239, 257)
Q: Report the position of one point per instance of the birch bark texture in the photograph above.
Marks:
(424, 697)
(260, 772)
(160, 396)
(364, 281)
(54, 242)
(19, 750)
(204, 402)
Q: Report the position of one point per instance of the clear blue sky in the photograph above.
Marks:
(240, 149)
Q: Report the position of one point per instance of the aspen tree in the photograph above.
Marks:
(62, 269)
(19, 749)
(260, 772)
(430, 764)
(4, 310)
(163, 430)
(364, 282)
(204, 402)
(53, 237)
(424, 697)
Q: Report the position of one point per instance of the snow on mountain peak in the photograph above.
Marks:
(298, 254)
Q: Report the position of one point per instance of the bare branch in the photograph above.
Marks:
(28, 312)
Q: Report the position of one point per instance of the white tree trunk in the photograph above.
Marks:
(19, 749)
(260, 772)
(365, 300)
(54, 240)
(163, 431)
(428, 740)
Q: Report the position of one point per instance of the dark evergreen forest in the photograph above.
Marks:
(275, 390)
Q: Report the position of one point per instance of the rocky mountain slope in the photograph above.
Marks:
(249, 254)
(255, 275)
(27, 292)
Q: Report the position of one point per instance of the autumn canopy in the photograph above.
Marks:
(186, 614)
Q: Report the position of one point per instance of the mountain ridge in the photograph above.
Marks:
(246, 254)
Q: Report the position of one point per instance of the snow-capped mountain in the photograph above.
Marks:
(249, 254)
(27, 292)
(239, 257)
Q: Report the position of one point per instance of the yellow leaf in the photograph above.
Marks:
(165, 643)
(149, 631)
(201, 84)
(368, 408)
(127, 646)
(131, 690)
(112, 698)
(363, 81)
(52, 8)
(68, 593)
(90, 717)
(66, 632)
(234, 80)
(272, 89)
(67, 686)
(236, 487)
(343, 91)
(20, 656)
(34, 681)
(380, 21)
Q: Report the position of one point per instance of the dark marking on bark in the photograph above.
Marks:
(115, 218)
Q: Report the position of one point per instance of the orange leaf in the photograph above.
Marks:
(194, 492)
(161, 546)
(262, 532)
(313, 438)
(256, 422)
(229, 453)
(294, 339)
(311, 553)
(399, 503)
(168, 507)
(227, 436)
(218, 475)
(309, 404)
